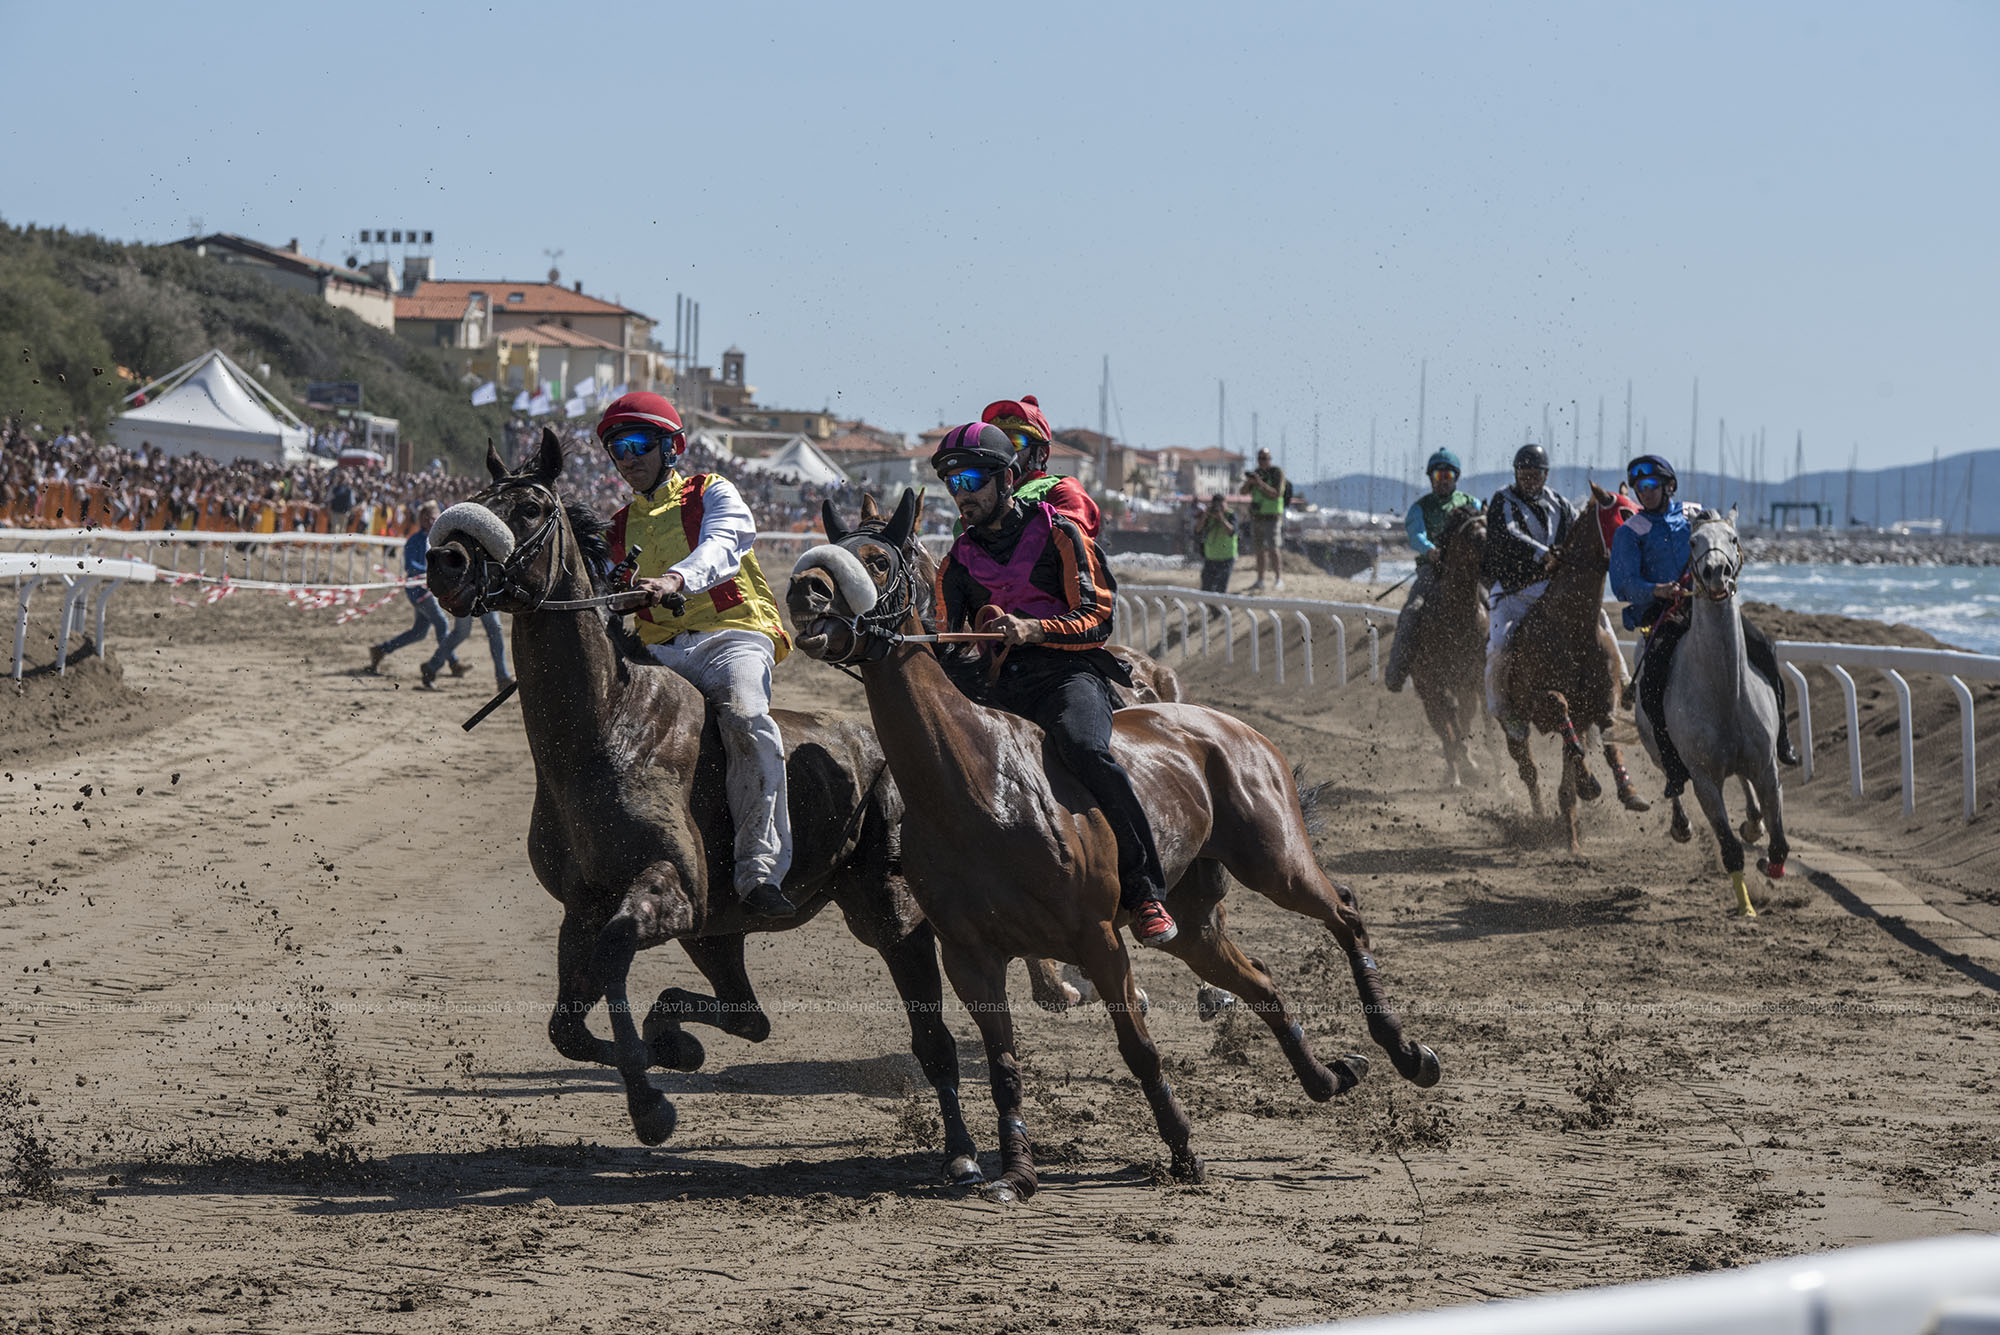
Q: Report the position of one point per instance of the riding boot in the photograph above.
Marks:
(1653, 670)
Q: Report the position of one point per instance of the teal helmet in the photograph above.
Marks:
(1442, 459)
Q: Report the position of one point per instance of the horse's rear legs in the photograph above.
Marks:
(1204, 945)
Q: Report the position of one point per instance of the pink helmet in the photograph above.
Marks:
(973, 443)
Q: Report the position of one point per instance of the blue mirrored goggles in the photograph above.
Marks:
(968, 480)
(1645, 475)
(636, 442)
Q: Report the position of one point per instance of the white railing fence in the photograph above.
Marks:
(1146, 607)
(286, 560)
(81, 577)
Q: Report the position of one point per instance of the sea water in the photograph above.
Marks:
(1958, 604)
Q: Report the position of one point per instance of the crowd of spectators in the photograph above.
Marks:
(69, 480)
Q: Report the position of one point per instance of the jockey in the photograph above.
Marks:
(1525, 523)
(1425, 524)
(693, 537)
(1030, 572)
(1027, 428)
(1649, 558)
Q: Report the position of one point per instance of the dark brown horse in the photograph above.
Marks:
(1563, 671)
(1010, 857)
(1448, 662)
(631, 828)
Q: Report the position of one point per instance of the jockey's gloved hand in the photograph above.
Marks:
(673, 602)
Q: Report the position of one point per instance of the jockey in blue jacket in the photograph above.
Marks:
(1649, 556)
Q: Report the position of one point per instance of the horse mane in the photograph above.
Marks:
(593, 542)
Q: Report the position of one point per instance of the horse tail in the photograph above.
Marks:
(1311, 800)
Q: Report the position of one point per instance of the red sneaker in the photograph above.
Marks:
(1152, 925)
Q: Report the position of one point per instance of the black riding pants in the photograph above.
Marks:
(1074, 708)
(1660, 643)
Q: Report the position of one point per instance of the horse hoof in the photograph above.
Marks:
(1681, 833)
(673, 1049)
(1774, 870)
(1589, 789)
(653, 1125)
(1188, 1168)
(1750, 831)
(1000, 1193)
(1210, 1001)
(1349, 1071)
(963, 1172)
(1429, 1069)
(1634, 802)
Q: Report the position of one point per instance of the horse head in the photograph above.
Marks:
(1584, 546)
(1463, 541)
(1715, 554)
(851, 596)
(510, 546)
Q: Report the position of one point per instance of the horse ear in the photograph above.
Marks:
(904, 520)
(830, 521)
(1732, 516)
(869, 510)
(495, 465)
(1604, 499)
(548, 464)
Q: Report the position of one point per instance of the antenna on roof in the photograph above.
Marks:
(555, 274)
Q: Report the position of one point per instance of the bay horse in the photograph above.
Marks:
(1010, 857)
(1448, 662)
(1721, 716)
(1563, 671)
(631, 828)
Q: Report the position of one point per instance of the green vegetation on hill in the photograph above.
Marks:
(74, 307)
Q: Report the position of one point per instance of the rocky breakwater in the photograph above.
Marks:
(1871, 549)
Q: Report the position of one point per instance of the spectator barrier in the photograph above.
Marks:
(82, 576)
(1892, 662)
(1941, 1286)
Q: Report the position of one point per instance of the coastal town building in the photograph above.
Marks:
(368, 296)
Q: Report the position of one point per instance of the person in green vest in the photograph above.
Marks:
(1217, 531)
(1424, 525)
(1268, 492)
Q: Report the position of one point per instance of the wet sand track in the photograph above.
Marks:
(272, 1050)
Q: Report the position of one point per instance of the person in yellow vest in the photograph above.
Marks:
(693, 536)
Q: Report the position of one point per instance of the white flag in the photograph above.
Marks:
(539, 405)
(486, 393)
(585, 387)
(575, 408)
(521, 402)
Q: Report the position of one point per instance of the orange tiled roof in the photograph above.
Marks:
(555, 336)
(442, 300)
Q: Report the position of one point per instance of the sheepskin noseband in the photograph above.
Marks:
(478, 523)
(849, 575)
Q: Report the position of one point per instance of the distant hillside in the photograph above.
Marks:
(74, 307)
(1880, 496)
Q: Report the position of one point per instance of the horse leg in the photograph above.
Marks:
(575, 995)
(1627, 794)
(1708, 792)
(1437, 709)
(1773, 865)
(980, 979)
(913, 967)
(733, 1009)
(1109, 967)
(1204, 945)
(1524, 761)
(1678, 827)
(654, 910)
(1566, 794)
(1752, 828)
(1046, 986)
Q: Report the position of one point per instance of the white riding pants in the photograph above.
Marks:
(732, 670)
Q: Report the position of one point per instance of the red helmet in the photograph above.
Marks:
(652, 409)
(1022, 414)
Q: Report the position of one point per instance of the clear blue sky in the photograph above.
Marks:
(902, 211)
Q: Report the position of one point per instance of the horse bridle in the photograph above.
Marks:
(1729, 576)
(503, 578)
(874, 632)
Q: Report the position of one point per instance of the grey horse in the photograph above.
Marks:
(1722, 716)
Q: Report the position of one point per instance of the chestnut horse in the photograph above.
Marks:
(1448, 662)
(631, 828)
(1563, 670)
(1010, 857)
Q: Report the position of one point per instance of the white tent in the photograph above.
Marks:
(803, 460)
(213, 407)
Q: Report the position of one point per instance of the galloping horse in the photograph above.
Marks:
(1563, 670)
(1009, 856)
(631, 829)
(1448, 663)
(1721, 716)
